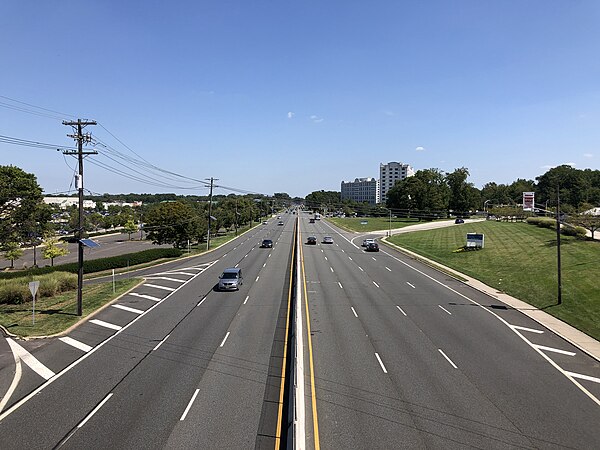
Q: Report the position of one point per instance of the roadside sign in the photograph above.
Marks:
(475, 240)
(33, 287)
(364, 222)
(528, 201)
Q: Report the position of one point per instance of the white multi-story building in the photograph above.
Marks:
(361, 190)
(390, 173)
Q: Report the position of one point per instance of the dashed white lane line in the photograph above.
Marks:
(188, 407)
(340, 284)
(375, 284)
(444, 309)
(95, 410)
(531, 330)
(166, 279)
(361, 269)
(160, 287)
(224, 339)
(161, 342)
(388, 269)
(101, 323)
(401, 310)
(411, 285)
(257, 278)
(148, 297)
(201, 301)
(30, 360)
(380, 363)
(75, 343)
(583, 377)
(326, 258)
(246, 255)
(127, 308)
(237, 265)
(448, 359)
(264, 265)
(373, 258)
(331, 268)
(246, 300)
(552, 349)
(354, 311)
(269, 255)
(350, 258)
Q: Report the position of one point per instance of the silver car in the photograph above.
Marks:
(327, 240)
(231, 279)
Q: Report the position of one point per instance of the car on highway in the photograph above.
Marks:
(231, 279)
(372, 247)
(266, 243)
(280, 223)
(327, 240)
(459, 220)
(311, 240)
(265, 223)
(311, 220)
(367, 242)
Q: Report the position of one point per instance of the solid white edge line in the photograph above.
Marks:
(531, 330)
(161, 342)
(354, 311)
(381, 363)
(15, 382)
(95, 410)
(401, 310)
(75, 363)
(448, 359)
(554, 350)
(583, 377)
(189, 406)
(224, 339)
(30, 360)
(75, 343)
(445, 309)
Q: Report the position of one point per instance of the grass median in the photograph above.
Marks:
(521, 260)
(57, 313)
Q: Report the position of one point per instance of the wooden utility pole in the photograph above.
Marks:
(80, 138)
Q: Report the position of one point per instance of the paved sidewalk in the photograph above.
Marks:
(581, 340)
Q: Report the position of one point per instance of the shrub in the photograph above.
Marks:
(543, 222)
(14, 293)
(578, 232)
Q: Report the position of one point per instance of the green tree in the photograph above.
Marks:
(12, 251)
(588, 221)
(173, 223)
(426, 191)
(53, 249)
(130, 227)
(463, 195)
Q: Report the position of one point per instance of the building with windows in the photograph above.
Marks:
(390, 173)
(361, 190)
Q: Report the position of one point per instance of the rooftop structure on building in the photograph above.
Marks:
(389, 174)
(361, 190)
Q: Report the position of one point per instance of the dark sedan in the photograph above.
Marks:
(267, 243)
(372, 247)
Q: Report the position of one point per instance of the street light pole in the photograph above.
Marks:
(558, 243)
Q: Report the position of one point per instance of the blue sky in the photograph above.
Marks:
(277, 96)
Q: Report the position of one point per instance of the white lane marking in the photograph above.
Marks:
(174, 273)
(380, 363)
(401, 310)
(354, 311)
(583, 377)
(187, 409)
(75, 343)
(531, 330)
(237, 265)
(95, 410)
(340, 284)
(350, 258)
(373, 258)
(235, 248)
(388, 269)
(264, 265)
(555, 350)
(343, 251)
(445, 309)
(160, 287)
(15, 382)
(326, 258)
(127, 308)
(166, 279)
(448, 359)
(148, 297)
(411, 285)
(30, 360)
(375, 284)
(201, 301)
(361, 269)
(331, 268)
(246, 255)
(224, 339)
(224, 255)
(322, 251)
(257, 278)
(247, 297)
(269, 255)
(161, 342)
(101, 323)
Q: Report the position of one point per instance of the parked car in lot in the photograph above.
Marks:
(367, 242)
(372, 247)
(266, 243)
(231, 279)
(327, 240)
(311, 240)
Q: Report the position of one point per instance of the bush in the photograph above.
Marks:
(578, 232)
(543, 222)
(14, 293)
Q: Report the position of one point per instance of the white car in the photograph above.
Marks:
(366, 242)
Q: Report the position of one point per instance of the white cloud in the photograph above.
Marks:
(420, 149)
(290, 115)
(316, 119)
(549, 166)
(389, 113)
(588, 155)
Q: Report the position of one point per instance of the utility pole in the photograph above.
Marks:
(210, 210)
(558, 243)
(81, 139)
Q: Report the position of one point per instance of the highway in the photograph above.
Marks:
(190, 368)
(407, 357)
(396, 355)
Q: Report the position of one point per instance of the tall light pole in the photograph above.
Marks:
(558, 243)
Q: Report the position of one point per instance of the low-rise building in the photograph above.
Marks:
(361, 190)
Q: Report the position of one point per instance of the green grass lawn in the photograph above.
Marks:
(56, 314)
(373, 223)
(520, 260)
